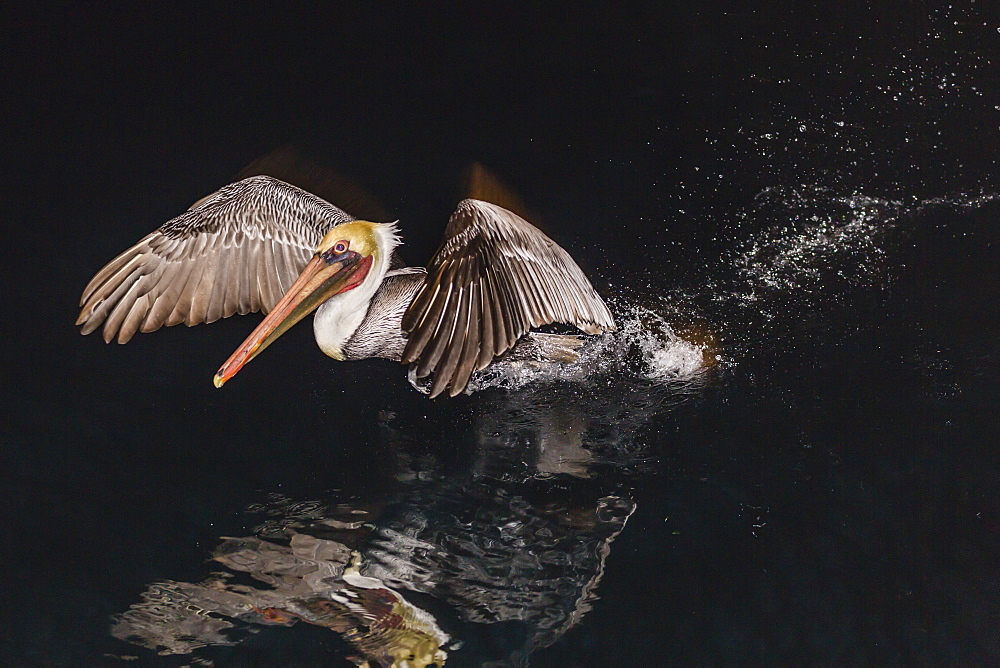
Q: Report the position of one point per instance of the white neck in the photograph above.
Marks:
(340, 316)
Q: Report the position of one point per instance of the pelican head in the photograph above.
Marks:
(350, 256)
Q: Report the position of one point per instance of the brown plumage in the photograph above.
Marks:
(494, 277)
(235, 251)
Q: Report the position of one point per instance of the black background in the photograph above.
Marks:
(625, 128)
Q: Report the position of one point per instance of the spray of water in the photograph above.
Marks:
(645, 348)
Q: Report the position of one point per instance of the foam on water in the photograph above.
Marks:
(645, 347)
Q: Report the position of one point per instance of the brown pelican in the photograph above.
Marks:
(262, 244)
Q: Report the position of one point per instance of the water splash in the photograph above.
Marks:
(819, 254)
(819, 250)
(645, 348)
(821, 243)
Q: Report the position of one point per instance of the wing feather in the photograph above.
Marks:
(164, 301)
(264, 273)
(487, 331)
(509, 313)
(119, 280)
(457, 331)
(231, 300)
(185, 302)
(236, 250)
(265, 276)
(441, 325)
(247, 293)
(494, 277)
(217, 300)
(111, 268)
(122, 308)
(201, 296)
(470, 351)
(430, 321)
(135, 317)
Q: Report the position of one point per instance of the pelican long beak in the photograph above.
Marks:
(320, 280)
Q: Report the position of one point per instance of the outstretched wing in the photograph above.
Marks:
(494, 277)
(235, 251)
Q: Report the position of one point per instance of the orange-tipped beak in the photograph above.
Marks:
(320, 280)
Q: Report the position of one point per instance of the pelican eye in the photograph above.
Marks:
(341, 247)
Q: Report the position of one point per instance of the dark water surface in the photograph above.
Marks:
(788, 454)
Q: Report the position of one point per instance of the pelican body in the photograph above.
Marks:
(264, 245)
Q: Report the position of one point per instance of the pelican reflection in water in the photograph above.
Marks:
(515, 560)
(261, 244)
